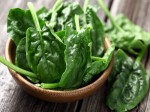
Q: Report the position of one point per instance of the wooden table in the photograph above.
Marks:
(14, 99)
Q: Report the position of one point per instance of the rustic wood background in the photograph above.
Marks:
(14, 99)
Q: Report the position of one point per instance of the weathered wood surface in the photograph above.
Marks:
(14, 99)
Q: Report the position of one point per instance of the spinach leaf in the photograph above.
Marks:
(20, 58)
(99, 65)
(97, 33)
(42, 13)
(130, 85)
(52, 13)
(18, 21)
(61, 34)
(124, 34)
(45, 54)
(77, 56)
(122, 63)
(132, 40)
(64, 15)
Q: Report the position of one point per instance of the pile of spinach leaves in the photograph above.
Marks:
(61, 48)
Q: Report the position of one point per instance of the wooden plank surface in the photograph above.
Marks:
(14, 99)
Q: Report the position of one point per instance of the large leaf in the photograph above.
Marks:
(45, 54)
(122, 63)
(96, 67)
(130, 84)
(19, 20)
(77, 56)
(17, 23)
(97, 32)
(20, 58)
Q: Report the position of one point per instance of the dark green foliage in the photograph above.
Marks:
(20, 58)
(132, 40)
(18, 22)
(97, 33)
(129, 82)
(42, 13)
(61, 34)
(45, 54)
(77, 56)
(64, 15)
(99, 65)
(64, 47)
(122, 63)
(124, 34)
(65, 53)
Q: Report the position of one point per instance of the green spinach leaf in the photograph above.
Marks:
(18, 21)
(130, 86)
(134, 38)
(64, 15)
(45, 54)
(20, 58)
(42, 13)
(122, 63)
(61, 34)
(77, 56)
(97, 33)
(99, 65)
(124, 34)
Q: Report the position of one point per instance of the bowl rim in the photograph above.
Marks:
(68, 93)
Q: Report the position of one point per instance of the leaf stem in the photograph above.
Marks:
(86, 2)
(141, 54)
(94, 58)
(77, 22)
(17, 69)
(105, 9)
(34, 16)
(56, 5)
(49, 86)
(54, 34)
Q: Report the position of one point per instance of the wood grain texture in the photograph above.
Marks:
(14, 99)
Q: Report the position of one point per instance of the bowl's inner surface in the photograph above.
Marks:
(12, 51)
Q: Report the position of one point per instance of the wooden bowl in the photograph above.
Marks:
(56, 95)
